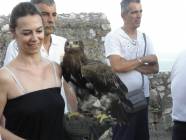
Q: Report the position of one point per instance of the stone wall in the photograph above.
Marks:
(91, 28)
(5, 37)
(160, 122)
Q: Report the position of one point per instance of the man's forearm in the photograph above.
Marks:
(148, 68)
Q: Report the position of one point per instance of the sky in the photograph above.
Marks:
(163, 21)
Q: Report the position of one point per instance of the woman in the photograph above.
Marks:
(30, 96)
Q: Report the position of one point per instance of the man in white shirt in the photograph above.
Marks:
(178, 91)
(124, 49)
(53, 45)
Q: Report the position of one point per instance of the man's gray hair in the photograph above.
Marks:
(48, 2)
(124, 5)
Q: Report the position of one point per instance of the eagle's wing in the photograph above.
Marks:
(107, 83)
(102, 77)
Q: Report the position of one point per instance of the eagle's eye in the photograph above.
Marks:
(76, 42)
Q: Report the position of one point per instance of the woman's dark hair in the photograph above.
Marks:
(21, 10)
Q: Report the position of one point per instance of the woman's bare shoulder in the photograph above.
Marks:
(5, 80)
(4, 75)
(58, 69)
(55, 65)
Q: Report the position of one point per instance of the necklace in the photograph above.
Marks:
(134, 42)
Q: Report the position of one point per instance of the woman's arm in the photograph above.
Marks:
(7, 135)
(70, 94)
(4, 86)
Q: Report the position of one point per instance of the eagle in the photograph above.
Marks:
(98, 89)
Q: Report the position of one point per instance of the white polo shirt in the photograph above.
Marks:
(119, 43)
(178, 88)
(56, 53)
